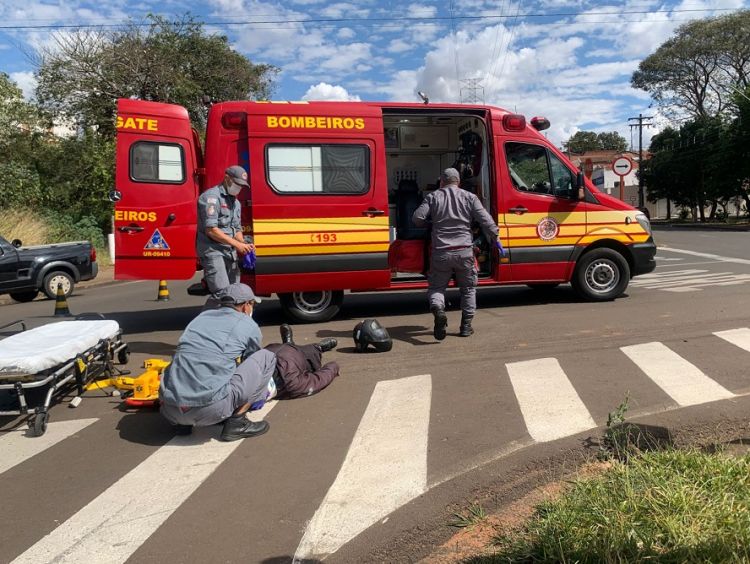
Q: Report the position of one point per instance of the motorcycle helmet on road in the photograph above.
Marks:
(370, 332)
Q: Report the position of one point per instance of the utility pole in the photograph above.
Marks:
(642, 122)
(473, 93)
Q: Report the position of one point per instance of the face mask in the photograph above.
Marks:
(234, 189)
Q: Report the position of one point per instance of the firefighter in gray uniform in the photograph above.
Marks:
(451, 211)
(219, 237)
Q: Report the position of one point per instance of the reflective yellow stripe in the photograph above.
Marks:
(321, 249)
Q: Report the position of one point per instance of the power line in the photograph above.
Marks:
(643, 121)
(251, 22)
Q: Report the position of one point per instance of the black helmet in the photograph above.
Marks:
(370, 332)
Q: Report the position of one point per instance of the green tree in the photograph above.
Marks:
(84, 73)
(583, 141)
(698, 70)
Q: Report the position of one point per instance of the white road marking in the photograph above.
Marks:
(705, 255)
(738, 337)
(549, 403)
(17, 446)
(123, 517)
(670, 274)
(688, 280)
(682, 381)
(385, 467)
(667, 259)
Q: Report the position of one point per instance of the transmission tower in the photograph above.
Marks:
(473, 92)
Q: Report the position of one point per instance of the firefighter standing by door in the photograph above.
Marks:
(451, 211)
(219, 236)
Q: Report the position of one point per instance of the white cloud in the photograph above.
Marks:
(420, 11)
(324, 91)
(26, 82)
(345, 33)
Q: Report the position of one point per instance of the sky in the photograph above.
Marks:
(568, 60)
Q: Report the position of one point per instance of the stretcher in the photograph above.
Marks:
(51, 357)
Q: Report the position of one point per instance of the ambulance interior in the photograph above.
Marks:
(419, 146)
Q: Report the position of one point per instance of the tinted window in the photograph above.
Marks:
(327, 169)
(157, 162)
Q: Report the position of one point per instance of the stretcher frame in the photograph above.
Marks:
(93, 363)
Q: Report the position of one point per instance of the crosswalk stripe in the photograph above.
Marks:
(706, 255)
(670, 273)
(549, 403)
(738, 337)
(17, 446)
(684, 382)
(385, 467)
(117, 522)
(697, 280)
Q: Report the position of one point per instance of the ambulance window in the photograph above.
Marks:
(162, 163)
(326, 169)
(528, 167)
(563, 180)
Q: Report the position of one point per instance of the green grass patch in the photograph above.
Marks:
(473, 515)
(662, 506)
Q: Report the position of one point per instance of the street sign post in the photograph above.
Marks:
(622, 166)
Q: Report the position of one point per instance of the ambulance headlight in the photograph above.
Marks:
(643, 222)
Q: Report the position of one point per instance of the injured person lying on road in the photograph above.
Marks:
(218, 373)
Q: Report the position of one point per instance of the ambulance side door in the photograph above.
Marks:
(155, 193)
(540, 210)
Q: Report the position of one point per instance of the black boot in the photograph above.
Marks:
(327, 344)
(287, 336)
(466, 330)
(240, 427)
(441, 322)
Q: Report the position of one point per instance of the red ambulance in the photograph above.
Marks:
(333, 186)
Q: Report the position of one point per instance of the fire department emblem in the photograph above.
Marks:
(547, 229)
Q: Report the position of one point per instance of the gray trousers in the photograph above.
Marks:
(247, 384)
(444, 264)
(219, 271)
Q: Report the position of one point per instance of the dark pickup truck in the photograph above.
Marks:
(24, 271)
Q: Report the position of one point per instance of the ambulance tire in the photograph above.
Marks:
(601, 275)
(312, 307)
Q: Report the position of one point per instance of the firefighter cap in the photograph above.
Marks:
(450, 174)
(238, 293)
(237, 174)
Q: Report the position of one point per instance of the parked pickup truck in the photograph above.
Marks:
(24, 271)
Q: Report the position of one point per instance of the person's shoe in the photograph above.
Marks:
(240, 427)
(327, 344)
(441, 322)
(287, 335)
(466, 329)
(183, 429)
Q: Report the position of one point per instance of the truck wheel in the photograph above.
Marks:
(601, 275)
(312, 307)
(58, 277)
(25, 296)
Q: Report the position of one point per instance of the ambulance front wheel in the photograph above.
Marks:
(601, 274)
(312, 307)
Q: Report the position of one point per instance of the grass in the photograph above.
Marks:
(661, 506)
(474, 514)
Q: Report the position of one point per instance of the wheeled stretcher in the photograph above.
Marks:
(53, 356)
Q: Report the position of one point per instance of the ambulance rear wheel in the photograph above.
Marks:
(600, 275)
(312, 307)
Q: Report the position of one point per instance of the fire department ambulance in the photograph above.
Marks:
(333, 186)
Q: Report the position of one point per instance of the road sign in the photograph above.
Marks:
(622, 166)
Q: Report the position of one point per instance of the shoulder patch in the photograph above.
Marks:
(211, 200)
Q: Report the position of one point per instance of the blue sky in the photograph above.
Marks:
(569, 60)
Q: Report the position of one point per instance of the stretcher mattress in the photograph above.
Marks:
(52, 345)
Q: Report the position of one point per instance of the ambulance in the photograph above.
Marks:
(333, 186)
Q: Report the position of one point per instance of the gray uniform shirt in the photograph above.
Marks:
(451, 211)
(217, 208)
(206, 357)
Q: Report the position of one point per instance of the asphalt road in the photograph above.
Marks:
(367, 469)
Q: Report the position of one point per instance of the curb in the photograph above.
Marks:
(105, 276)
(700, 226)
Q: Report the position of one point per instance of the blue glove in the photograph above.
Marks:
(248, 261)
(500, 248)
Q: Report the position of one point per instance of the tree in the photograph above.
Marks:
(84, 73)
(584, 141)
(698, 70)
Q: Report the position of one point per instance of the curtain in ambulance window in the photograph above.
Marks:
(344, 170)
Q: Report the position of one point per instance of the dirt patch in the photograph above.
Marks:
(476, 540)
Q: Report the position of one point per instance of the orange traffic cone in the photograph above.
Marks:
(163, 295)
(61, 304)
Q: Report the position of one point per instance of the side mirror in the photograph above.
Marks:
(16, 243)
(580, 191)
